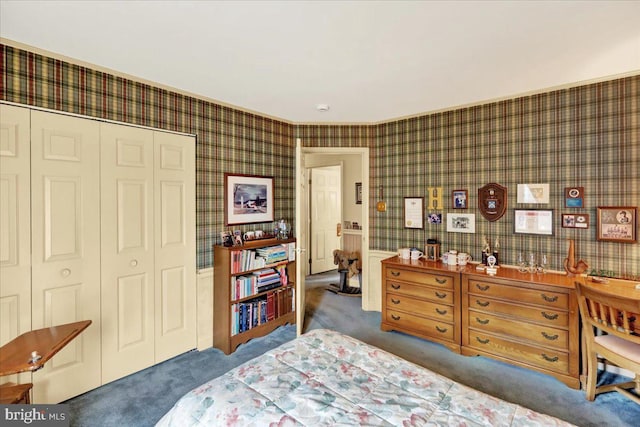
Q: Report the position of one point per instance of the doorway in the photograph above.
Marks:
(307, 158)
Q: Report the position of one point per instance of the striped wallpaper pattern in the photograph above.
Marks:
(584, 136)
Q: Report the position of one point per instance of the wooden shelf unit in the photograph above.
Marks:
(224, 277)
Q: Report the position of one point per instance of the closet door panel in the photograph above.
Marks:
(175, 245)
(65, 210)
(15, 225)
(127, 250)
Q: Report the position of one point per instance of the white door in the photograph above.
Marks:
(127, 287)
(175, 244)
(65, 212)
(15, 223)
(302, 218)
(326, 214)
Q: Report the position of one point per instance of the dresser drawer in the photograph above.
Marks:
(544, 335)
(420, 277)
(426, 326)
(424, 308)
(444, 296)
(553, 360)
(520, 295)
(536, 314)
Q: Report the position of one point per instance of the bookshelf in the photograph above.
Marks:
(253, 290)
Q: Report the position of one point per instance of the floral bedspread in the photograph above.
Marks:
(326, 378)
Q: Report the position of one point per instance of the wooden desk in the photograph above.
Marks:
(15, 355)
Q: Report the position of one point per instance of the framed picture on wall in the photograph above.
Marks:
(575, 221)
(459, 199)
(358, 193)
(461, 223)
(248, 199)
(574, 197)
(617, 224)
(533, 221)
(413, 212)
(533, 193)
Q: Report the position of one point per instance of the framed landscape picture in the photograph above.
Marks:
(248, 199)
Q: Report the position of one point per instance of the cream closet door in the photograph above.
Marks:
(175, 247)
(15, 223)
(127, 250)
(65, 209)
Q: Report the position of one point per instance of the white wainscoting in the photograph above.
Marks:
(372, 299)
(205, 308)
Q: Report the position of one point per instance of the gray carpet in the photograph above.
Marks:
(142, 398)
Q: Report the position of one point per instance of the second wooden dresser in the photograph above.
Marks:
(422, 299)
(529, 320)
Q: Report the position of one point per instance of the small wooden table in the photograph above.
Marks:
(15, 356)
(29, 352)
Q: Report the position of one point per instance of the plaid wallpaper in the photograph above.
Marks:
(228, 140)
(585, 136)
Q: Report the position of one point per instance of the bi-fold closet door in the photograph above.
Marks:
(98, 222)
(15, 226)
(148, 248)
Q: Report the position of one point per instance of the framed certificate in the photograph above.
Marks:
(533, 221)
(413, 212)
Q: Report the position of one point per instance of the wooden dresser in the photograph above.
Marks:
(422, 298)
(528, 320)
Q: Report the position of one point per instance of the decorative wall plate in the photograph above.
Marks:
(492, 201)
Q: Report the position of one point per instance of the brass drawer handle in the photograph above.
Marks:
(548, 316)
(482, 322)
(395, 286)
(482, 303)
(549, 337)
(548, 298)
(439, 295)
(441, 330)
(481, 341)
(395, 301)
(394, 317)
(482, 288)
(441, 312)
(549, 359)
(395, 273)
(441, 281)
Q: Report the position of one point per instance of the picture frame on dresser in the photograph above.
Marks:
(617, 224)
(248, 199)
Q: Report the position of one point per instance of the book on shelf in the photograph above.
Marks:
(252, 313)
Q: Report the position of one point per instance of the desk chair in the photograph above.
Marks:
(617, 321)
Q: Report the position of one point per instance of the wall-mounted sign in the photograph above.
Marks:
(492, 201)
(435, 198)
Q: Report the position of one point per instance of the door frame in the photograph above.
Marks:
(364, 159)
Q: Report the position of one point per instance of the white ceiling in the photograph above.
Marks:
(371, 61)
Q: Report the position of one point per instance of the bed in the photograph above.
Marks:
(327, 378)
